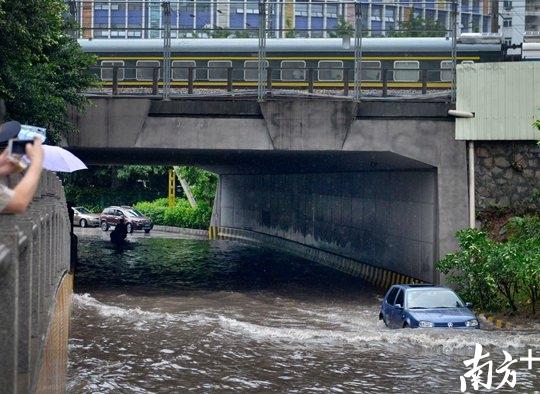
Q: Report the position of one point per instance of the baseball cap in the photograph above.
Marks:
(9, 130)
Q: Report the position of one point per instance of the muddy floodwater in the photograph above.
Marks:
(180, 315)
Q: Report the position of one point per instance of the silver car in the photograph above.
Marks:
(84, 218)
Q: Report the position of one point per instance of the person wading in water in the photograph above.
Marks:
(119, 234)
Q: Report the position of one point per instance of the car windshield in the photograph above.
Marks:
(137, 213)
(132, 213)
(427, 299)
(82, 210)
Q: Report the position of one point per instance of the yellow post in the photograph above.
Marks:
(172, 188)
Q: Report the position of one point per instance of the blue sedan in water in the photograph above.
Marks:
(425, 306)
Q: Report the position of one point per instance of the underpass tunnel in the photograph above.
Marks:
(379, 209)
(376, 208)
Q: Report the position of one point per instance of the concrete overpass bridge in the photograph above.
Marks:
(376, 188)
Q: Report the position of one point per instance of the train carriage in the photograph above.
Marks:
(320, 63)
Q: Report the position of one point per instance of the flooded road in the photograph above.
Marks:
(177, 315)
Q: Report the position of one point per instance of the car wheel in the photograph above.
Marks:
(147, 231)
(104, 226)
(83, 223)
(405, 325)
(129, 228)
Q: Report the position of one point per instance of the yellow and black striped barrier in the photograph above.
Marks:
(377, 276)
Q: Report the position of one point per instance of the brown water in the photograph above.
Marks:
(173, 315)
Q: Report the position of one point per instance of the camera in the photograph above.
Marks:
(18, 147)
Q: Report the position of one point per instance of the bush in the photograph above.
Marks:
(180, 215)
(491, 273)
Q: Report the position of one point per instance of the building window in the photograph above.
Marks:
(251, 70)
(107, 69)
(301, 9)
(406, 70)
(330, 70)
(293, 70)
(180, 69)
(507, 4)
(507, 22)
(371, 71)
(217, 69)
(508, 40)
(145, 70)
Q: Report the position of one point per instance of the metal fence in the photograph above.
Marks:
(264, 26)
(375, 81)
(34, 257)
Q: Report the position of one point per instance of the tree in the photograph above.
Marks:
(290, 31)
(419, 27)
(343, 29)
(42, 68)
(219, 32)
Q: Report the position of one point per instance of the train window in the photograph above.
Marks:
(446, 71)
(107, 69)
(406, 70)
(251, 70)
(217, 69)
(145, 70)
(293, 70)
(371, 71)
(180, 69)
(330, 70)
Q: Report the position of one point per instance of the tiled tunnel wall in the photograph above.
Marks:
(383, 218)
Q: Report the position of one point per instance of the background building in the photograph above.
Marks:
(519, 20)
(315, 18)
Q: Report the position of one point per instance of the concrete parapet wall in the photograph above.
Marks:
(379, 277)
(34, 257)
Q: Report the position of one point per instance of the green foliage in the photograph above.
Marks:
(219, 32)
(491, 273)
(343, 29)
(203, 183)
(181, 215)
(101, 186)
(419, 27)
(42, 68)
(290, 31)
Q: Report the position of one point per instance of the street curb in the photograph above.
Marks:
(499, 323)
(182, 230)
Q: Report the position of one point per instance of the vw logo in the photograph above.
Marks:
(450, 324)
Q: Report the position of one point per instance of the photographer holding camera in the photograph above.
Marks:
(17, 200)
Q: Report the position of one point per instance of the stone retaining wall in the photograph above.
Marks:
(507, 174)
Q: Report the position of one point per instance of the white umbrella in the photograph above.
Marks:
(61, 160)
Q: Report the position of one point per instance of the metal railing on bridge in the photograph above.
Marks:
(34, 258)
(376, 81)
(261, 19)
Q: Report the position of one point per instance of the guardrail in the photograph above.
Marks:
(117, 80)
(34, 258)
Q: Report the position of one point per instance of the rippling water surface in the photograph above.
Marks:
(176, 315)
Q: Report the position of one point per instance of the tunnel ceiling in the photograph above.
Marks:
(229, 161)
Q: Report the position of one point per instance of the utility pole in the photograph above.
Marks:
(357, 51)
(166, 5)
(261, 59)
(454, 47)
